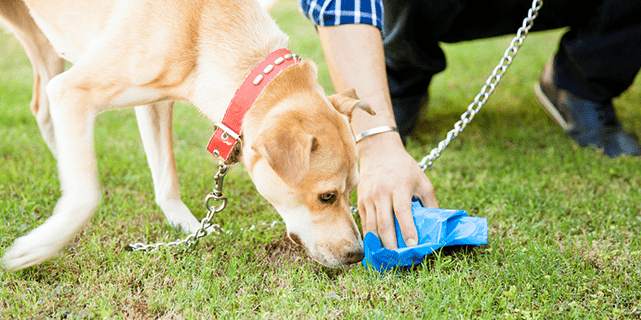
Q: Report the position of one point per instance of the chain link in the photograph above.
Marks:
(206, 226)
(217, 194)
(488, 87)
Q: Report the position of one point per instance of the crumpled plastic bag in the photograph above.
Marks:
(436, 228)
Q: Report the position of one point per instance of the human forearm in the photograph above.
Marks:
(355, 58)
(389, 175)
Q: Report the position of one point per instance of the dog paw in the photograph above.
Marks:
(186, 227)
(37, 246)
(179, 216)
(24, 253)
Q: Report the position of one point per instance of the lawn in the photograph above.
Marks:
(563, 220)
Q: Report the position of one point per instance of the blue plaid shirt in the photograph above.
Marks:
(337, 12)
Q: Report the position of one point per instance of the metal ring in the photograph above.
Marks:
(222, 198)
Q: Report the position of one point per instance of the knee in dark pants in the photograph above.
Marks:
(407, 111)
(409, 93)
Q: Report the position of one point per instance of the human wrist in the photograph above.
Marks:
(375, 131)
(374, 145)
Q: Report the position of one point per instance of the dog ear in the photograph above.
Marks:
(287, 150)
(347, 101)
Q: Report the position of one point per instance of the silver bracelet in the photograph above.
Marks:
(374, 131)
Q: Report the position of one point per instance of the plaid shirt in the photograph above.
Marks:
(336, 12)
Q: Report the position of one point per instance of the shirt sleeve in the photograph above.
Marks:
(337, 12)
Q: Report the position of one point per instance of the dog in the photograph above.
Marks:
(297, 145)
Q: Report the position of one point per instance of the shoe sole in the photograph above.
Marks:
(549, 107)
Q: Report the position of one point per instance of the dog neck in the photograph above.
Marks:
(227, 134)
(227, 51)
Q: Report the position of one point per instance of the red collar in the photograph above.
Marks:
(228, 129)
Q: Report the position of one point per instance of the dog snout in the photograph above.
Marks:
(354, 257)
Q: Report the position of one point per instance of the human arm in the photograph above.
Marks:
(389, 176)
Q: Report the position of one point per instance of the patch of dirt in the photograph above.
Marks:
(283, 251)
(605, 253)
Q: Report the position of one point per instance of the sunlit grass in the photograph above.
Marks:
(563, 220)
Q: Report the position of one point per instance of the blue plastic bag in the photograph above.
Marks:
(436, 228)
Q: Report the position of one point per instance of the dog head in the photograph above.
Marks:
(300, 152)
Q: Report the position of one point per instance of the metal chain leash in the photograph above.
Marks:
(206, 226)
(488, 88)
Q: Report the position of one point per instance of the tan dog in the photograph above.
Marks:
(297, 144)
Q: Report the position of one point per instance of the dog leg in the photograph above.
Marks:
(45, 62)
(74, 105)
(154, 122)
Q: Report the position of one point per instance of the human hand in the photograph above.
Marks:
(389, 177)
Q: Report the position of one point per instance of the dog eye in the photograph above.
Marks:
(328, 197)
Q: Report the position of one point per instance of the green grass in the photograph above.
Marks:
(563, 220)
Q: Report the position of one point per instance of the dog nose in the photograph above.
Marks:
(354, 257)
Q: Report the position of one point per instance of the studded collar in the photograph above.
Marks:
(228, 130)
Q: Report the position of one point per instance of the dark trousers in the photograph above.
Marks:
(597, 59)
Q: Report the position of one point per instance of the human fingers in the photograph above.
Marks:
(426, 193)
(403, 211)
(385, 223)
(368, 218)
